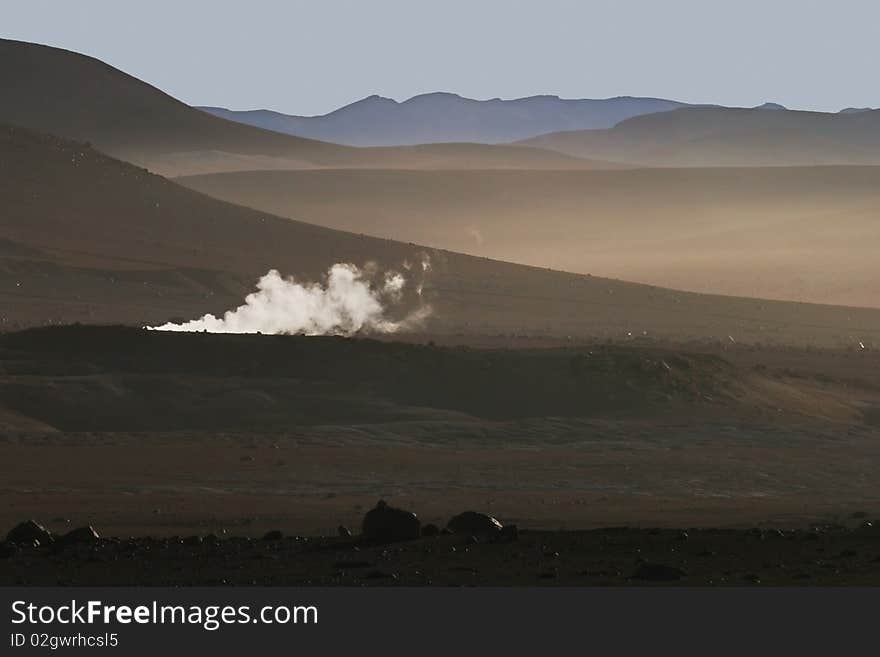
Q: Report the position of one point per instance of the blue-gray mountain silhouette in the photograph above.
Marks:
(445, 117)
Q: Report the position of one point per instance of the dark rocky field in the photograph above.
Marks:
(821, 555)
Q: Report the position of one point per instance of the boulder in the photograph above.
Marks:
(343, 531)
(476, 524)
(80, 535)
(28, 532)
(273, 535)
(386, 524)
(430, 530)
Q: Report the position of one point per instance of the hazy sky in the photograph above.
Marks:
(311, 57)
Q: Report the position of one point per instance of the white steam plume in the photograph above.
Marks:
(347, 304)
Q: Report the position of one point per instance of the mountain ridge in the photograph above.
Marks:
(446, 117)
(728, 137)
(83, 98)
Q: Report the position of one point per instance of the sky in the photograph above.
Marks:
(312, 57)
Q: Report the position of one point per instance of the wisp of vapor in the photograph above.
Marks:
(350, 302)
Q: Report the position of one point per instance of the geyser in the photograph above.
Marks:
(351, 301)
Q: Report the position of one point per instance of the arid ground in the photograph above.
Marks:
(141, 433)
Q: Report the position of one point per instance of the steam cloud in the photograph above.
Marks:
(351, 301)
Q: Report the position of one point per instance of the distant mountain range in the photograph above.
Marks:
(78, 97)
(84, 237)
(721, 136)
(627, 130)
(446, 117)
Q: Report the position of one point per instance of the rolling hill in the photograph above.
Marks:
(715, 136)
(78, 97)
(796, 233)
(446, 117)
(91, 239)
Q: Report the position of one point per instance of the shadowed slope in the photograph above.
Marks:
(82, 98)
(88, 238)
(798, 233)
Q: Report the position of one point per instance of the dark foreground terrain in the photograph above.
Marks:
(821, 555)
(197, 445)
(142, 433)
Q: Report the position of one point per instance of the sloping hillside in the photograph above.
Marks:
(797, 233)
(91, 239)
(78, 97)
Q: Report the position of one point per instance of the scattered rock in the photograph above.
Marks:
(658, 572)
(472, 523)
(80, 535)
(430, 530)
(273, 535)
(386, 524)
(344, 531)
(28, 532)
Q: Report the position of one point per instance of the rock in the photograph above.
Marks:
(344, 531)
(658, 572)
(386, 524)
(80, 535)
(430, 530)
(509, 533)
(7, 550)
(28, 532)
(274, 535)
(472, 523)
